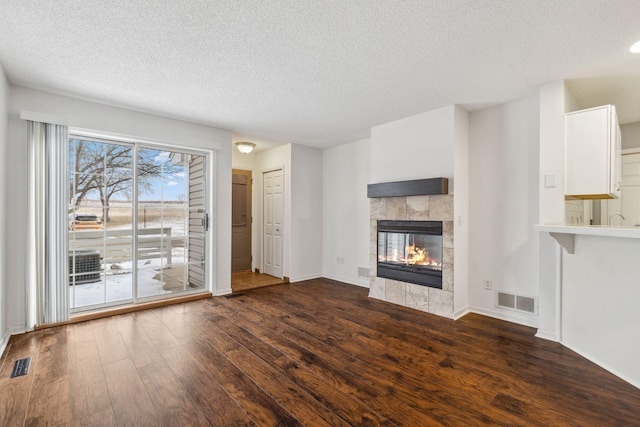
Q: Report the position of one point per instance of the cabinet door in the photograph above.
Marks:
(588, 153)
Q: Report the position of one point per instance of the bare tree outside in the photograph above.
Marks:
(106, 171)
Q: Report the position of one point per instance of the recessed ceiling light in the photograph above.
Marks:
(636, 47)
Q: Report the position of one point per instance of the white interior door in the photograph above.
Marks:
(628, 205)
(273, 222)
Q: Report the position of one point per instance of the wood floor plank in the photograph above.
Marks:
(302, 405)
(245, 280)
(51, 381)
(333, 365)
(313, 353)
(329, 393)
(109, 341)
(129, 398)
(262, 408)
(211, 399)
(505, 362)
(172, 403)
(428, 387)
(158, 334)
(88, 393)
(319, 323)
(383, 363)
(14, 392)
(141, 350)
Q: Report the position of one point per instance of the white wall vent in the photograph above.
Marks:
(363, 272)
(516, 302)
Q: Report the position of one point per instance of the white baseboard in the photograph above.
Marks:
(221, 292)
(548, 335)
(602, 365)
(16, 330)
(303, 278)
(5, 340)
(348, 281)
(461, 312)
(507, 316)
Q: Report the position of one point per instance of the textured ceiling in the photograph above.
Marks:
(318, 73)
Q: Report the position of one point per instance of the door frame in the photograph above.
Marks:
(262, 217)
(210, 197)
(250, 213)
(604, 207)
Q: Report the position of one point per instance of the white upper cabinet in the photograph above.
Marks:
(592, 155)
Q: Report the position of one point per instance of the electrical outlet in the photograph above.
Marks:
(340, 260)
(488, 285)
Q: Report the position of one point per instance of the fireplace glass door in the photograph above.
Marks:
(411, 251)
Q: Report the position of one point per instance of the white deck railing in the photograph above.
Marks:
(117, 245)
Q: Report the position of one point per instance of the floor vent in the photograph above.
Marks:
(21, 367)
(233, 296)
(363, 272)
(516, 302)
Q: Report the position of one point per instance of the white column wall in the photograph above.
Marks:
(555, 101)
(415, 147)
(120, 121)
(345, 211)
(4, 224)
(461, 212)
(503, 205)
(306, 213)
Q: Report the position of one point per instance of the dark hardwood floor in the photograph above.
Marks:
(317, 353)
(244, 280)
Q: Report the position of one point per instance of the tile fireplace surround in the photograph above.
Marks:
(414, 208)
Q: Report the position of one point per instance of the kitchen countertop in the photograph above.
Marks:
(564, 234)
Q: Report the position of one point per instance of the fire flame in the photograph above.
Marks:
(419, 256)
(414, 256)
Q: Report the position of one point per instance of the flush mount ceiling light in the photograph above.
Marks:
(245, 147)
(636, 47)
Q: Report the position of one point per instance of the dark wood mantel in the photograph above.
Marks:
(416, 187)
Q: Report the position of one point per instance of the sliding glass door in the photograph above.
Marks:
(171, 222)
(137, 222)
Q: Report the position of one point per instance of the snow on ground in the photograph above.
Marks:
(119, 278)
(118, 288)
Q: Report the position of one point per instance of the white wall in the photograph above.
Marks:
(630, 135)
(4, 224)
(555, 101)
(99, 117)
(461, 153)
(306, 213)
(345, 211)
(276, 158)
(245, 162)
(600, 295)
(415, 147)
(302, 236)
(503, 204)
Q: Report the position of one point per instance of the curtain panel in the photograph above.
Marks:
(47, 244)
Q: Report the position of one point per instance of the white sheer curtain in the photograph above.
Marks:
(47, 262)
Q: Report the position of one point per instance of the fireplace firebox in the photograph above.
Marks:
(411, 251)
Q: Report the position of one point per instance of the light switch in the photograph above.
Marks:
(550, 180)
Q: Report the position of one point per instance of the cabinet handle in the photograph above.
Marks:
(618, 186)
